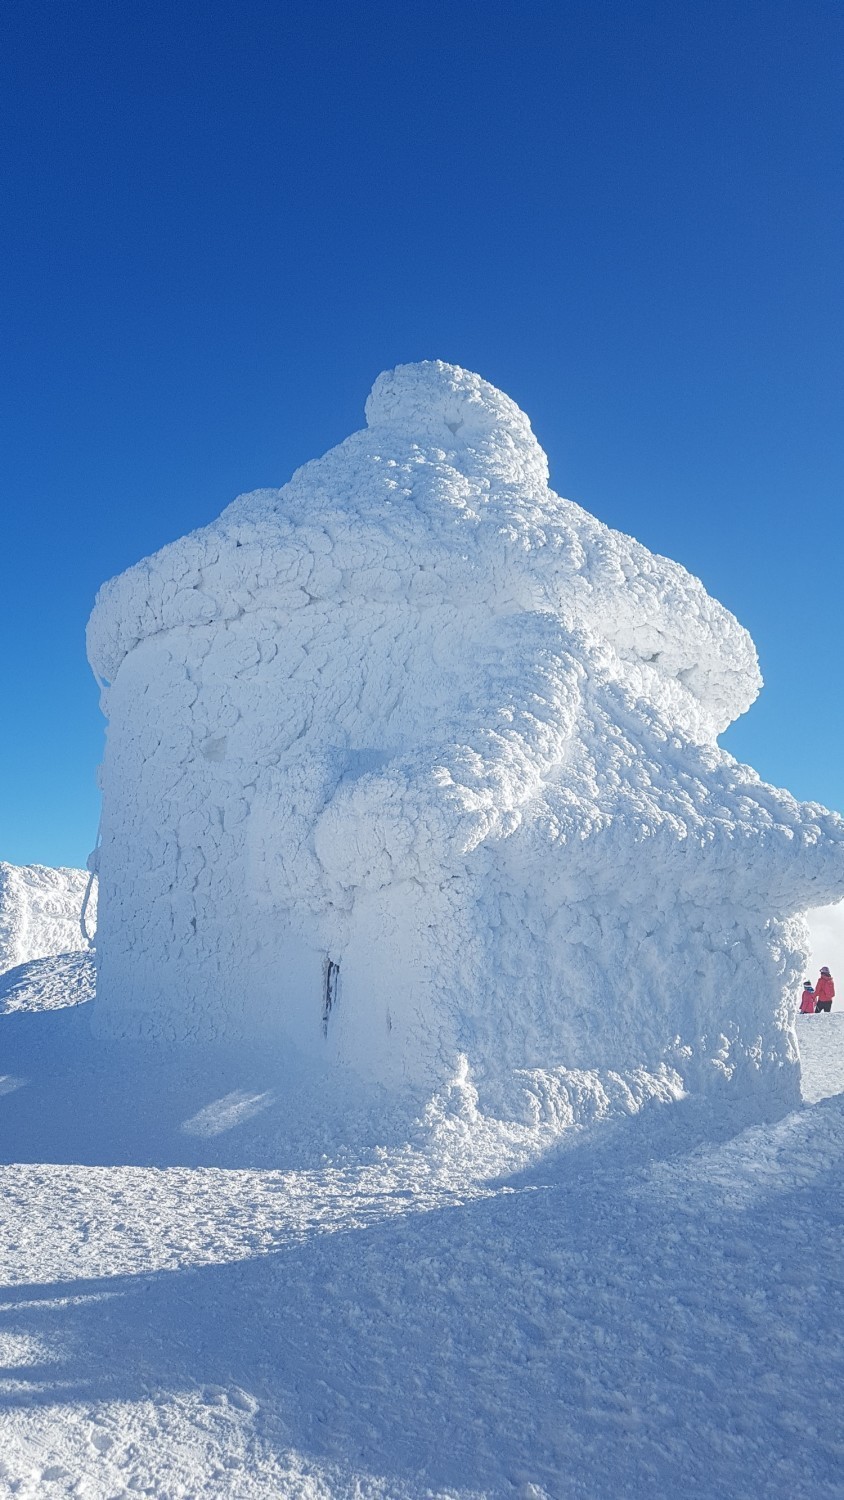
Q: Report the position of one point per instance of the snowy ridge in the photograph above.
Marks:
(413, 762)
(40, 910)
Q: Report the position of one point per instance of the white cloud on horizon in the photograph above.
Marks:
(826, 934)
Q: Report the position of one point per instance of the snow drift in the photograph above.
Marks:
(40, 913)
(412, 766)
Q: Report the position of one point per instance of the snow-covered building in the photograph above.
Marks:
(413, 760)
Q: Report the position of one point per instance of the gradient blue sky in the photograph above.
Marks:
(221, 220)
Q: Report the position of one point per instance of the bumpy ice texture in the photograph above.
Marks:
(413, 761)
(40, 910)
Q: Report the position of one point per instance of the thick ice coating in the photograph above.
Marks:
(41, 912)
(413, 761)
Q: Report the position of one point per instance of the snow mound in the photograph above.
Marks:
(412, 767)
(40, 912)
(48, 983)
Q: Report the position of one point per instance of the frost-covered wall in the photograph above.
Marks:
(413, 759)
(40, 910)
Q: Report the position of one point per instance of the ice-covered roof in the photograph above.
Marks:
(442, 498)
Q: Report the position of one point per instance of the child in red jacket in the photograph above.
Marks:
(807, 999)
(824, 991)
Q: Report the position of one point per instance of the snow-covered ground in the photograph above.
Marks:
(821, 1040)
(48, 983)
(203, 1294)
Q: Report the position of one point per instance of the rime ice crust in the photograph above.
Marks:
(40, 912)
(416, 716)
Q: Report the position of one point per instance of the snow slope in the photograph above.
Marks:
(450, 1312)
(49, 983)
(413, 761)
(40, 912)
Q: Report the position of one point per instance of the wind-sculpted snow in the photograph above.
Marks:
(461, 1315)
(412, 765)
(48, 983)
(40, 911)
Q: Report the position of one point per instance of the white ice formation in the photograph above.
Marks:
(413, 761)
(40, 910)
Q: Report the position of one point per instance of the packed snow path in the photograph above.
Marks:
(821, 1054)
(635, 1312)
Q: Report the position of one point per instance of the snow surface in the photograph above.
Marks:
(413, 761)
(49, 983)
(199, 1296)
(40, 911)
(821, 1042)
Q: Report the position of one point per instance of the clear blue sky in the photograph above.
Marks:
(221, 220)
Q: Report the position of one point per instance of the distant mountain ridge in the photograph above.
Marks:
(40, 911)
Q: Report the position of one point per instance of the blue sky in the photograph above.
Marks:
(223, 219)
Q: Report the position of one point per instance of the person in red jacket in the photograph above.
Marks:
(824, 991)
(807, 999)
